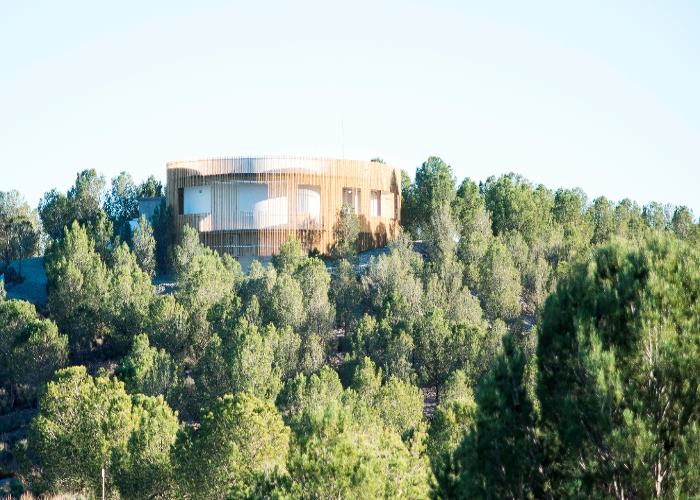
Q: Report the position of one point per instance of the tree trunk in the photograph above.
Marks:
(12, 395)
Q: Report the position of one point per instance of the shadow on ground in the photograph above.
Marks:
(33, 288)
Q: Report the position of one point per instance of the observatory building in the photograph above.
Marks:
(248, 206)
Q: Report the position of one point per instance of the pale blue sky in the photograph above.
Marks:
(601, 95)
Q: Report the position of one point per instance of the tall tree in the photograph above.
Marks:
(121, 203)
(339, 456)
(500, 456)
(240, 439)
(347, 231)
(82, 203)
(56, 213)
(147, 370)
(144, 468)
(601, 215)
(410, 209)
(396, 278)
(27, 237)
(657, 216)
(144, 245)
(619, 366)
(303, 396)
(454, 418)
(238, 358)
(31, 349)
(289, 257)
(570, 213)
(204, 280)
(150, 188)
(284, 305)
(314, 281)
(474, 227)
(189, 247)
(682, 222)
(81, 423)
(163, 232)
(434, 189)
(167, 325)
(628, 220)
(286, 347)
(440, 236)
(345, 290)
(399, 404)
(91, 302)
(251, 361)
(78, 283)
(499, 283)
(86, 195)
(516, 204)
(89, 428)
(438, 348)
(127, 303)
(343, 448)
(19, 228)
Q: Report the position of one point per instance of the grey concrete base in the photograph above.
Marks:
(248, 260)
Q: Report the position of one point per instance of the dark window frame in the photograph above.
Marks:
(181, 201)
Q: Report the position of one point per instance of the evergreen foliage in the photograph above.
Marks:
(531, 344)
(31, 349)
(144, 246)
(240, 439)
(618, 346)
(347, 231)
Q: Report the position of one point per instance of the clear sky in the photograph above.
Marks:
(597, 94)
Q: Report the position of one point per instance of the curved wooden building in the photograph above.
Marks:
(249, 206)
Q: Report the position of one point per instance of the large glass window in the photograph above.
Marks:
(197, 200)
(375, 203)
(308, 206)
(351, 196)
(252, 209)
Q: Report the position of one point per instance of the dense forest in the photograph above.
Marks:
(512, 342)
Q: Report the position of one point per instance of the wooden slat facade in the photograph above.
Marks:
(292, 184)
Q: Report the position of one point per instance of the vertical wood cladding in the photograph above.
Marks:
(293, 188)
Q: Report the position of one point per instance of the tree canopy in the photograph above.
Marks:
(511, 341)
